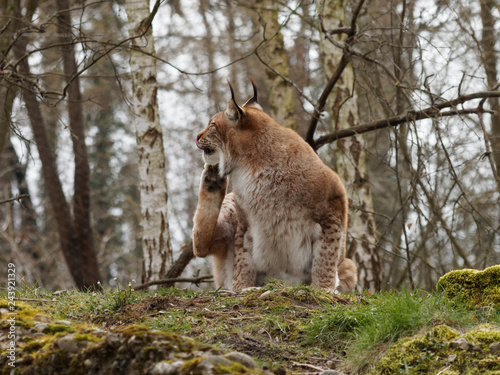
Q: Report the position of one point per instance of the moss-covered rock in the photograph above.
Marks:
(472, 287)
(440, 350)
(68, 348)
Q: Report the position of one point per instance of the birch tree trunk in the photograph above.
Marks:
(156, 247)
(274, 55)
(350, 154)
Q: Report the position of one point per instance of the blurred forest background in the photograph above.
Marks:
(418, 77)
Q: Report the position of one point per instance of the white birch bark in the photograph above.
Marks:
(156, 247)
(274, 54)
(350, 154)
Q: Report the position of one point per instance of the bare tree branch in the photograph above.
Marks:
(489, 152)
(430, 112)
(14, 198)
(146, 23)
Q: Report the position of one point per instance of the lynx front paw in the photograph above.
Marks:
(210, 179)
(200, 251)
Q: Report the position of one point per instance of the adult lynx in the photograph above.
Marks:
(286, 216)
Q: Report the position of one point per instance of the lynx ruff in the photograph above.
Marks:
(286, 216)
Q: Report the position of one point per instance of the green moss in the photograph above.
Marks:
(87, 337)
(472, 287)
(141, 331)
(415, 354)
(53, 328)
(190, 367)
(430, 353)
(38, 345)
(235, 368)
(135, 330)
(443, 332)
(25, 314)
(485, 334)
(149, 349)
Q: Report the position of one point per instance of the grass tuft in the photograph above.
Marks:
(367, 329)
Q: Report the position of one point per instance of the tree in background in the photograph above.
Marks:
(156, 247)
(8, 9)
(83, 242)
(274, 56)
(71, 227)
(75, 234)
(489, 60)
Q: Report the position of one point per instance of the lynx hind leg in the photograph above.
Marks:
(244, 272)
(222, 267)
(348, 276)
(328, 253)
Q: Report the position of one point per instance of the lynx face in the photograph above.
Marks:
(213, 141)
(223, 130)
(210, 142)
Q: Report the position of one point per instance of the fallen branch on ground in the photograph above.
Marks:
(308, 365)
(193, 280)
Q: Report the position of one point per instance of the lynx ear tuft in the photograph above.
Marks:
(233, 111)
(253, 102)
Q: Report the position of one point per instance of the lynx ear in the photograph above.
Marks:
(253, 102)
(233, 111)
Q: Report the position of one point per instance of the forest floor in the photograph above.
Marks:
(293, 329)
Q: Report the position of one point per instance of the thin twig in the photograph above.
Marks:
(17, 198)
(308, 365)
(344, 301)
(488, 152)
(193, 280)
(459, 181)
(443, 370)
(146, 23)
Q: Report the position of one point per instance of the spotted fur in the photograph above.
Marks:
(286, 216)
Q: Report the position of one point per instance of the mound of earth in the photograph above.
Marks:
(33, 343)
